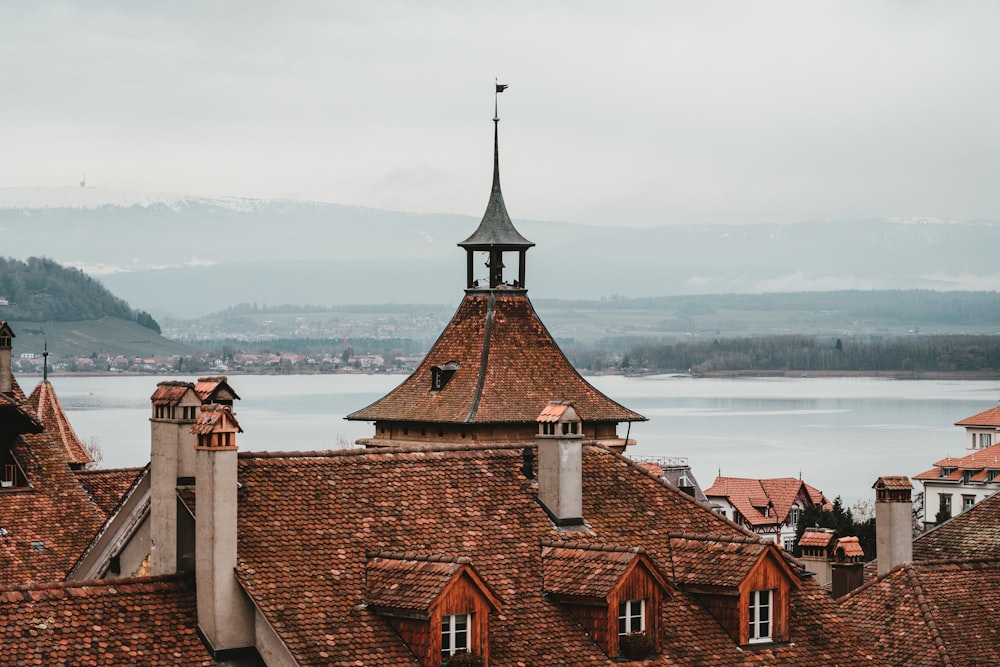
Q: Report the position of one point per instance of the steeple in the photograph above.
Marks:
(496, 233)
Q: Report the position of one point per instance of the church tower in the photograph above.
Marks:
(495, 367)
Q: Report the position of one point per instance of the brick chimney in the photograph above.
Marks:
(225, 613)
(175, 407)
(560, 463)
(6, 366)
(893, 522)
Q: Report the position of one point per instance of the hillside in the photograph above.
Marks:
(160, 252)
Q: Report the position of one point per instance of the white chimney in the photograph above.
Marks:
(893, 522)
(225, 613)
(560, 463)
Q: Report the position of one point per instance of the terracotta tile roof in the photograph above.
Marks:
(45, 527)
(975, 533)
(893, 483)
(932, 613)
(414, 582)
(209, 388)
(509, 368)
(45, 403)
(751, 496)
(981, 460)
(851, 546)
(308, 523)
(107, 487)
(989, 417)
(817, 537)
(147, 621)
(714, 560)
(213, 418)
(170, 392)
(584, 570)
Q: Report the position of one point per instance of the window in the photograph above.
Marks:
(631, 617)
(991, 475)
(760, 616)
(794, 516)
(944, 506)
(454, 634)
(790, 544)
(968, 502)
(966, 476)
(985, 440)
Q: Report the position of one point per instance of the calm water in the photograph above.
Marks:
(839, 433)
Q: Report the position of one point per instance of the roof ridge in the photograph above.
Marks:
(911, 573)
(710, 537)
(93, 583)
(100, 471)
(484, 358)
(590, 546)
(413, 556)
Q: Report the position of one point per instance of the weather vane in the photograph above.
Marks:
(500, 88)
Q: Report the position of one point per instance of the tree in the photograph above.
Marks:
(842, 521)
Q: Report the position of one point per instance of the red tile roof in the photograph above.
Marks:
(45, 403)
(982, 460)
(989, 417)
(817, 537)
(509, 368)
(932, 613)
(147, 621)
(751, 496)
(583, 569)
(107, 487)
(308, 522)
(170, 392)
(208, 388)
(975, 533)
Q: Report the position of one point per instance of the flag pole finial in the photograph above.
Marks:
(500, 87)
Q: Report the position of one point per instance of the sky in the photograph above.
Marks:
(632, 113)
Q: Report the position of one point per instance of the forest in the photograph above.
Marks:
(42, 290)
(940, 354)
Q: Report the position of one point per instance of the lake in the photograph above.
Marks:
(839, 434)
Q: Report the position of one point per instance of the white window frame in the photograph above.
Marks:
(761, 621)
(627, 615)
(452, 631)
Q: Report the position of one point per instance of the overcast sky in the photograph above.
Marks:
(632, 113)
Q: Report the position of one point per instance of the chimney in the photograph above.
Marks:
(560, 463)
(225, 614)
(893, 522)
(6, 367)
(175, 408)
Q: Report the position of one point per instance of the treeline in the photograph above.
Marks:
(42, 290)
(951, 353)
(904, 306)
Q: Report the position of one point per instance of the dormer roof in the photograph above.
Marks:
(587, 571)
(215, 390)
(216, 419)
(412, 584)
(722, 563)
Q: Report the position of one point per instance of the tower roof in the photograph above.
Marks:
(507, 369)
(45, 403)
(496, 231)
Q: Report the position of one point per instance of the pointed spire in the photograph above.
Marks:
(496, 233)
(45, 362)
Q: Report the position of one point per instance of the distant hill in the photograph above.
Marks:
(188, 256)
(74, 314)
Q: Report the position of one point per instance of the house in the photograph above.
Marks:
(768, 507)
(937, 601)
(955, 484)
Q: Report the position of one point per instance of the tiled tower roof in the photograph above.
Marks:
(45, 403)
(508, 367)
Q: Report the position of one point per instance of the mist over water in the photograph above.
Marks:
(841, 434)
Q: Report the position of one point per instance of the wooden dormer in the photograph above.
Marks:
(612, 591)
(745, 583)
(438, 605)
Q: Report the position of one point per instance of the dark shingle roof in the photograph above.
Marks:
(509, 368)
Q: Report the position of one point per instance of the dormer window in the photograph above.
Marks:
(759, 628)
(441, 374)
(11, 474)
(454, 635)
(631, 617)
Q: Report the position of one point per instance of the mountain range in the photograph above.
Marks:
(190, 256)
